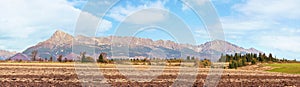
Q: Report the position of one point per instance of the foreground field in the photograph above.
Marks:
(293, 68)
(56, 74)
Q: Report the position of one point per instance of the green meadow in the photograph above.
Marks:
(292, 68)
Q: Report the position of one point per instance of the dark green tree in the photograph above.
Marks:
(271, 57)
(264, 57)
(193, 58)
(255, 56)
(101, 59)
(244, 60)
(188, 58)
(231, 65)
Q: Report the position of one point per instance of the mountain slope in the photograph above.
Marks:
(61, 44)
(224, 46)
(5, 54)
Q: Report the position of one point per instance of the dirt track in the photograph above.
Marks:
(48, 74)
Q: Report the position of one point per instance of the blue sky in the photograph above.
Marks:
(271, 26)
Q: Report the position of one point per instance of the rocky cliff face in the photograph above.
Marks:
(61, 44)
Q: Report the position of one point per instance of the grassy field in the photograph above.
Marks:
(292, 68)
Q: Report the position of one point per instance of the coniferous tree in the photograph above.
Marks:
(238, 60)
(253, 62)
(193, 58)
(235, 56)
(244, 60)
(231, 65)
(255, 56)
(231, 57)
(264, 57)
(227, 58)
(235, 64)
(100, 58)
(260, 57)
(271, 57)
(188, 58)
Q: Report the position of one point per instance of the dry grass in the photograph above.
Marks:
(64, 74)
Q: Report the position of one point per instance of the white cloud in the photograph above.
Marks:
(105, 25)
(201, 33)
(147, 16)
(186, 3)
(25, 22)
(266, 24)
(89, 24)
(270, 8)
(285, 43)
(235, 24)
(257, 15)
(291, 31)
(261, 15)
(22, 17)
(119, 13)
(29, 22)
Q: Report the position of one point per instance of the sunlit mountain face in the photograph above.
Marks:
(61, 44)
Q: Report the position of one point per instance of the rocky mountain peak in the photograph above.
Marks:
(60, 37)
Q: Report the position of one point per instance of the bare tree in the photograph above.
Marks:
(59, 59)
(34, 55)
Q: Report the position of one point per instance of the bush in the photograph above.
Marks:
(253, 62)
(88, 59)
(233, 64)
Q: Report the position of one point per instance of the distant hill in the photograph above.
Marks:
(6, 54)
(60, 43)
(20, 56)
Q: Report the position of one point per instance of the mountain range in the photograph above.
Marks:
(61, 43)
(5, 54)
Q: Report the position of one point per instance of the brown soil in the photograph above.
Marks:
(62, 75)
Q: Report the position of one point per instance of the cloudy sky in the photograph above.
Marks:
(271, 26)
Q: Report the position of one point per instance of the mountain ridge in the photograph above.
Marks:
(60, 43)
(6, 54)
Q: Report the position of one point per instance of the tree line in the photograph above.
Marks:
(239, 60)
